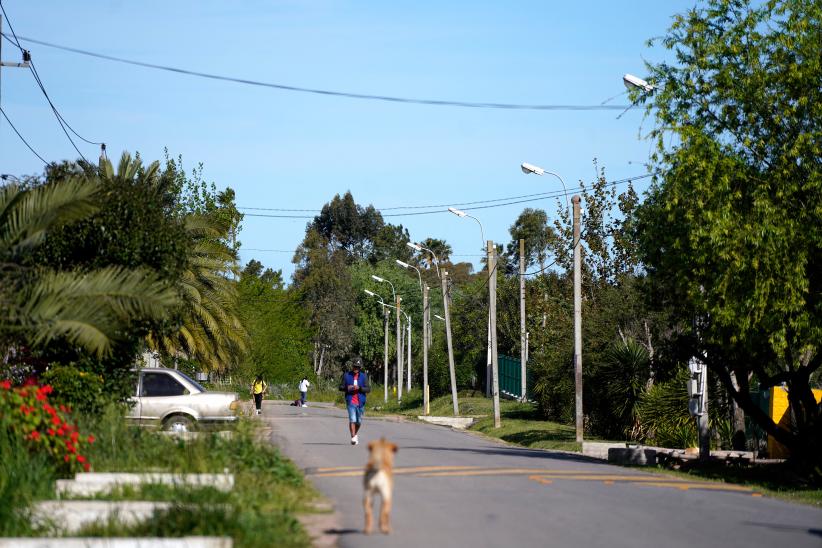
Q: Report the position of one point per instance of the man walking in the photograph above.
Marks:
(355, 385)
(304, 384)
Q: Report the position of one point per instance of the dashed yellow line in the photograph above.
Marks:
(499, 472)
(350, 471)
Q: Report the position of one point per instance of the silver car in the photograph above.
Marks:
(173, 400)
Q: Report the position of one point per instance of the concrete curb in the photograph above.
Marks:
(72, 515)
(120, 542)
(92, 483)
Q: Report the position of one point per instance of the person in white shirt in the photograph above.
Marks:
(304, 384)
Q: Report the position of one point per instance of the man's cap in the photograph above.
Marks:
(356, 363)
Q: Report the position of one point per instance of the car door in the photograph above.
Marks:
(160, 393)
(134, 406)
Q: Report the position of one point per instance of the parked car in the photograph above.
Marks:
(174, 401)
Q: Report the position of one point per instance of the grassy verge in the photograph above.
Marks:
(774, 480)
(260, 511)
(521, 423)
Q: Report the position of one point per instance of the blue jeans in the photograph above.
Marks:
(355, 413)
(302, 397)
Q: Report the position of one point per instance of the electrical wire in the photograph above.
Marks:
(33, 69)
(21, 137)
(542, 196)
(326, 92)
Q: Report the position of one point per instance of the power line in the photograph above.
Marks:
(33, 69)
(542, 196)
(21, 137)
(332, 93)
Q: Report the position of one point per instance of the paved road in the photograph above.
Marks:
(455, 489)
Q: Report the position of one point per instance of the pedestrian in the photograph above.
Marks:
(355, 385)
(304, 384)
(258, 388)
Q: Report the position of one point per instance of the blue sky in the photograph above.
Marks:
(282, 149)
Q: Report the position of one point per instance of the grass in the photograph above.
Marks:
(260, 511)
(774, 480)
(521, 423)
(24, 479)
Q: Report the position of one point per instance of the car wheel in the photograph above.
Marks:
(179, 423)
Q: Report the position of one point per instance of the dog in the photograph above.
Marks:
(379, 479)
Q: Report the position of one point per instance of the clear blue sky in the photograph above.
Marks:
(282, 149)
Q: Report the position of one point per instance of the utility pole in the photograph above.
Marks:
(385, 354)
(577, 319)
(492, 305)
(408, 365)
(26, 55)
(399, 351)
(523, 352)
(426, 313)
(451, 369)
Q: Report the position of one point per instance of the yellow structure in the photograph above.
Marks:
(778, 411)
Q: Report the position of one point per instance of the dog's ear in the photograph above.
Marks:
(393, 447)
(371, 445)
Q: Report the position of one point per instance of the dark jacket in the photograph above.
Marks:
(363, 385)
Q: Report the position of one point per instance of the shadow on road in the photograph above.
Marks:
(544, 454)
(781, 527)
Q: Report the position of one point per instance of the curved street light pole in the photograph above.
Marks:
(575, 218)
(385, 350)
(444, 282)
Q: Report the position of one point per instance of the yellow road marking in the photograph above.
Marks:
(685, 486)
(350, 471)
(500, 472)
(606, 478)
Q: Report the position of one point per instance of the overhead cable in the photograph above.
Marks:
(328, 92)
(21, 137)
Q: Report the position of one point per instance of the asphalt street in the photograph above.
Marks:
(456, 489)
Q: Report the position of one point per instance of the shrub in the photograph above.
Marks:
(25, 411)
(79, 390)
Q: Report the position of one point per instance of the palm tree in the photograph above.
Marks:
(87, 309)
(210, 331)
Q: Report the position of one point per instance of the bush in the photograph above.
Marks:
(662, 413)
(26, 413)
(76, 389)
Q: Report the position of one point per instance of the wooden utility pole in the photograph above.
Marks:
(492, 305)
(451, 369)
(408, 365)
(385, 353)
(426, 318)
(577, 319)
(523, 344)
(399, 349)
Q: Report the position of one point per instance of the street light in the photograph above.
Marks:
(444, 283)
(426, 337)
(635, 82)
(383, 280)
(530, 168)
(459, 213)
(536, 170)
(385, 350)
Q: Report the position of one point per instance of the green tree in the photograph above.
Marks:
(732, 228)
(531, 226)
(279, 333)
(92, 308)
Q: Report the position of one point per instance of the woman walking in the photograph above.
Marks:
(258, 388)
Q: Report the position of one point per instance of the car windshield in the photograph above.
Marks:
(194, 383)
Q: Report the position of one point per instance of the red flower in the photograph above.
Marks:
(70, 448)
(49, 409)
(86, 466)
(60, 431)
(35, 435)
(74, 436)
(31, 381)
(5, 384)
(81, 458)
(66, 458)
(56, 420)
(40, 396)
(91, 439)
(51, 431)
(63, 408)
(47, 389)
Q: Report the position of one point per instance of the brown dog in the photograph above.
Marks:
(379, 478)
